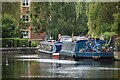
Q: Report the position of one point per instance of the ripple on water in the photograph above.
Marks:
(51, 61)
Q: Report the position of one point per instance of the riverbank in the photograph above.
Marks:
(18, 50)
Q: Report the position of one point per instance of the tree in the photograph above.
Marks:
(81, 27)
(62, 18)
(11, 13)
(9, 27)
(116, 25)
(11, 8)
(39, 16)
(100, 17)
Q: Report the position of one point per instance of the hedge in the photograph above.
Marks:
(16, 42)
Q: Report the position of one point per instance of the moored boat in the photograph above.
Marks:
(50, 48)
(85, 49)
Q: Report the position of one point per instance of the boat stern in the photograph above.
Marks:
(55, 55)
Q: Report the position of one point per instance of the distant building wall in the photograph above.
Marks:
(27, 33)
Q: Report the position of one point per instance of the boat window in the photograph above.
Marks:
(68, 46)
(46, 47)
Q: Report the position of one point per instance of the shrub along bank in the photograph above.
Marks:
(18, 42)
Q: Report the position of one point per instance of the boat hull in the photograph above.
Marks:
(77, 56)
(44, 54)
(117, 55)
(95, 55)
(44, 51)
(55, 56)
(47, 54)
(102, 60)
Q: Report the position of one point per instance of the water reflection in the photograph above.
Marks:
(23, 66)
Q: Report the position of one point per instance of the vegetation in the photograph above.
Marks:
(9, 27)
(15, 42)
(102, 17)
(39, 16)
(10, 20)
(34, 43)
(80, 18)
(68, 19)
(74, 18)
(12, 9)
(18, 42)
(62, 18)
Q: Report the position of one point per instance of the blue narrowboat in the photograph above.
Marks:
(49, 48)
(85, 49)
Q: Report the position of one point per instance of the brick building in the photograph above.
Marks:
(27, 32)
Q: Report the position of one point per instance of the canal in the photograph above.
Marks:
(32, 66)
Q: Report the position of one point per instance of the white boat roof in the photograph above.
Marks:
(76, 38)
(47, 43)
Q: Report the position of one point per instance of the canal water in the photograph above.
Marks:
(33, 66)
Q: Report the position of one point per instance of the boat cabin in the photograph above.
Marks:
(50, 47)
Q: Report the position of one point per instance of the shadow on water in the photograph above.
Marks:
(32, 67)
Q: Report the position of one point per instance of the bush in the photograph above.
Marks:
(18, 42)
(23, 43)
(7, 42)
(14, 42)
(34, 43)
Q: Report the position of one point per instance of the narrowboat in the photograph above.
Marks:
(85, 49)
(50, 48)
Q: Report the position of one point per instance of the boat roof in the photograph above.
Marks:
(65, 36)
(47, 43)
(96, 41)
(51, 43)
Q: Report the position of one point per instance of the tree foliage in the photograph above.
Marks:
(62, 18)
(67, 18)
(10, 19)
(11, 8)
(81, 27)
(116, 24)
(39, 16)
(9, 27)
(100, 17)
